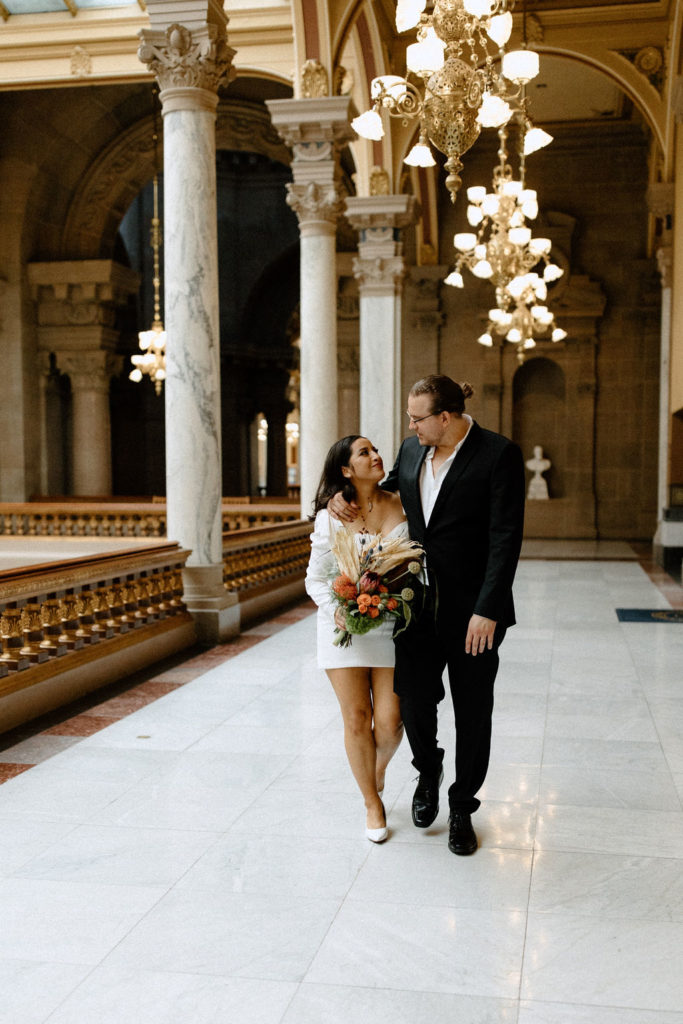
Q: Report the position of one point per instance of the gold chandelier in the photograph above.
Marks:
(152, 362)
(503, 249)
(465, 85)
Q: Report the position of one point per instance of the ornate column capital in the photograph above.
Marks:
(90, 371)
(189, 64)
(665, 262)
(315, 129)
(314, 204)
(379, 275)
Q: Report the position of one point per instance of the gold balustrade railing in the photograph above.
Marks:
(126, 519)
(264, 556)
(88, 613)
(49, 611)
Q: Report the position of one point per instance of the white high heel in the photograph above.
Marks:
(378, 835)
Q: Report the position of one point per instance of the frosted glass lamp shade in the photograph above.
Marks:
(535, 139)
(520, 66)
(368, 125)
(426, 57)
(493, 111)
(478, 8)
(465, 241)
(500, 28)
(408, 14)
(519, 236)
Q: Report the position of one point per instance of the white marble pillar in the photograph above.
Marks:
(316, 128)
(380, 269)
(189, 62)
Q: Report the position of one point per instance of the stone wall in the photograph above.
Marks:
(591, 183)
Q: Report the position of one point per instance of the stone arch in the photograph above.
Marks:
(624, 74)
(125, 166)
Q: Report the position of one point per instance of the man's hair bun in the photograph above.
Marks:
(467, 389)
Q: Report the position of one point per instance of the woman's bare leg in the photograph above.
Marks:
(352, 687)
(388, 727)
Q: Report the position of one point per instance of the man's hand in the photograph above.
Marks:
(341, 509)
(479, 635)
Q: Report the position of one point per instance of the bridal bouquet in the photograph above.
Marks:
(371, 584)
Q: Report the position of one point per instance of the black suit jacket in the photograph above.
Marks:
(474, 535)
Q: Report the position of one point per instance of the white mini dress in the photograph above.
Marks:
(373, 650)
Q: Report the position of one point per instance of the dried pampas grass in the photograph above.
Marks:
(375, 555)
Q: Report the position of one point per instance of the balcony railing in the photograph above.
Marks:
(126, 519)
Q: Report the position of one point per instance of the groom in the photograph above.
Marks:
(462, 488)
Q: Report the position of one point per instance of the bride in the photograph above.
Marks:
(362, 675)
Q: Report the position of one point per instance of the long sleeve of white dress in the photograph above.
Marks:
(321, 563)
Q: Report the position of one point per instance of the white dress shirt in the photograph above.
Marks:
(430, 482)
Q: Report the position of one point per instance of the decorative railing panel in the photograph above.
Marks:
(266, 556)
(46, 612)
(119, 519)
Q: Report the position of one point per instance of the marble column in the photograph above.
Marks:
(76, 306)
(189, 61)
(380, 269)
(316, 128)
(90, 374)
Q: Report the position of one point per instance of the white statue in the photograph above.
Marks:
(538, 488)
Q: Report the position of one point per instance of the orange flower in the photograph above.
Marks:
(383, 589)
(364, 601)
(344, 587)
(392, 603)
(373, 612)
(375, 599)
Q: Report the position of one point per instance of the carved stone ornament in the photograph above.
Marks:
(665, 262)
(89, 371)
(379, 272)
(649, 61)
(314, 80)
(535, 33)
(314, 202)
(342, 80)
(180, 58)
(81, 62)
(379, 182)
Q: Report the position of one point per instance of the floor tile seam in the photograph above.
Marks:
(658, 733)
(526, 923)
(404, 991)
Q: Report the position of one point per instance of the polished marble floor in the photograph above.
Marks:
(194, 852)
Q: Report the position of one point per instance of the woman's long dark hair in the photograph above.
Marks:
(332, 479)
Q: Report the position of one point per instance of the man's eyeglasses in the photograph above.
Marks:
(418, 419)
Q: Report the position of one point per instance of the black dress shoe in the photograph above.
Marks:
(462, 838)
(426, 800)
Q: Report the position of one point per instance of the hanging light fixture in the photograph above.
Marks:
(152, 362)
(462, 88)
(505, 251)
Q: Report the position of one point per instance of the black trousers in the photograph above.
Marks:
(431, 642)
